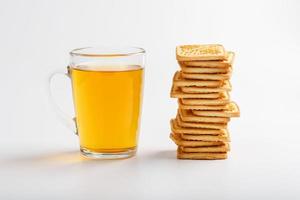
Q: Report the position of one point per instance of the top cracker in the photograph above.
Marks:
(200, 52)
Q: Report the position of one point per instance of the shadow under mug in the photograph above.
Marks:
(107, 84)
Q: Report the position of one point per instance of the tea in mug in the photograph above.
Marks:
(107, 106)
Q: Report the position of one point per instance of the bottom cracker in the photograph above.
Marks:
(193, 143)
(215, 149)
(201, 156)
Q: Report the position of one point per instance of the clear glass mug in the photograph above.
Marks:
(107, 84)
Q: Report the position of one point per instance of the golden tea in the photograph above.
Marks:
(107, 105)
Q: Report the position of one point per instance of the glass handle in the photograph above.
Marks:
(69, 122)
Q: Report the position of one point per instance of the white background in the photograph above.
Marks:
(39, 157)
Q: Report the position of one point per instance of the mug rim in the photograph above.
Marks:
(107, 51)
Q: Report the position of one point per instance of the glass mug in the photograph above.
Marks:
(107, 86)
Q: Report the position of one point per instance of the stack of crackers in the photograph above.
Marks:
(202, 87)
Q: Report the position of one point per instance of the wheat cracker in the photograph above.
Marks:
(202, 107)
(231, 111)
(214, 64)
(200, 124)
(190, 143)
(195, 131)
(199, 76)
(220, 149)
(178, 80)
(201, 155)
(200, 52)
(223, 100)
(195, 89)
(204, 70)
(216, 138)
(188, 116)
(177, 93)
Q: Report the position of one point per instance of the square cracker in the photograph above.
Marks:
(200, 124)
(178, 81)
(201, 155)
(204, 70)
(216, 138)
(190, 143)
(177, 93)
(202, 107)
(231, 111)
(196, 131)
(223, 100)
(195, 89)
(200, 52)
(221, 149)
(188, 116)
(224, 63)
(225, 76)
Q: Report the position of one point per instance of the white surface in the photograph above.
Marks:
(39, 158)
